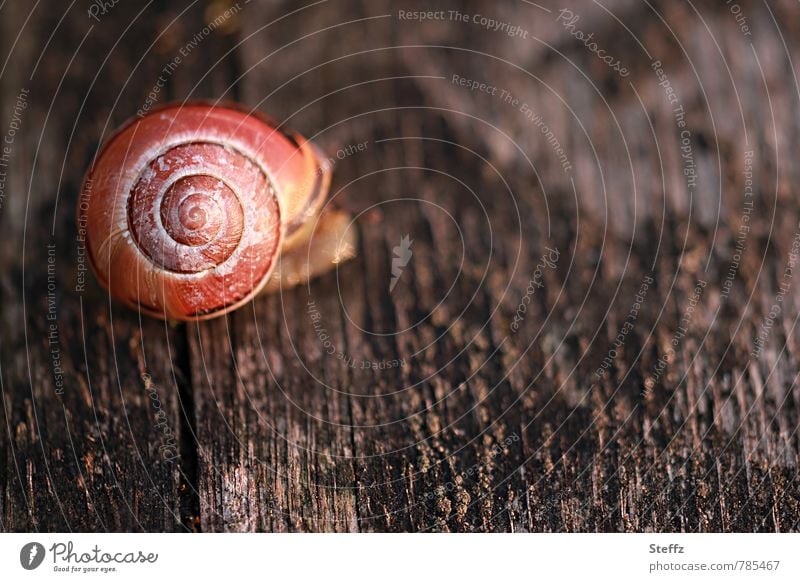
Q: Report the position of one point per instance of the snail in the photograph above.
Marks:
(193, 209)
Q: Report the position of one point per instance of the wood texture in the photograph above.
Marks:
(273, 417)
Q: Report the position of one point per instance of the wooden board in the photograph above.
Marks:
(629, 394)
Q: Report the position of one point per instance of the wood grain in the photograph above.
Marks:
(344, 406)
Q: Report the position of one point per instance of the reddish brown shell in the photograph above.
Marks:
(187, 208)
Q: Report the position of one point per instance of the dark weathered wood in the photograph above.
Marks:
(89, 458)
(484, 427)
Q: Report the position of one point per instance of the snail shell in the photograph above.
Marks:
(188, 208)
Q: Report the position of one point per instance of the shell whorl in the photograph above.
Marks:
(187, 208)
(186, 212)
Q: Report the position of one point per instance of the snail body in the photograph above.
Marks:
(188, 209)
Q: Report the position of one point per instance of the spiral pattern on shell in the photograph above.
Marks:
(187, 208)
